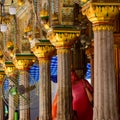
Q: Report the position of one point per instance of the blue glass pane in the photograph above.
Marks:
(34, 71)
(6, 84)
(53, 69)
(88, 72)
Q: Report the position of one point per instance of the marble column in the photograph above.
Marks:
(23, 62)
(2, 74)
(24, 101)
(102, 17)
(45, 90)
(63, 39)
(44, 51)
(9, 71)
(64, 110)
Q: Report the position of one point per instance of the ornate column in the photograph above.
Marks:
(62, 38)
(117, 65)
(9, 71)
(44, 51)
(23, 62)
(102, 16)
(2, 74)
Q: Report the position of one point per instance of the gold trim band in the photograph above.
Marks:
(63, 51)
(103, 27)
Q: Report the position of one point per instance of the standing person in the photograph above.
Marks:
(82, 107)
(81, 102)
(75, 116)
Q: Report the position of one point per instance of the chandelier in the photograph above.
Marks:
(12, 9)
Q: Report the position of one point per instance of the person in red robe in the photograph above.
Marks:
(81, 103)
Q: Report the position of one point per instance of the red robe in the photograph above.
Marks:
(81, 102)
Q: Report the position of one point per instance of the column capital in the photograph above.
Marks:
(2, 60)
(44, 49)
(2, 74)
(64, 36)
(9, 68)
(23, 61)
(101, 14)
(62, 51)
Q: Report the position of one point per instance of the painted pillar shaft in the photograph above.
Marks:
(44, 51)
(9, 71)
(45, 90)
(64, 110)
(11, 104)
(1, 105)
(102, 16)
(105, 107)
(24, 101)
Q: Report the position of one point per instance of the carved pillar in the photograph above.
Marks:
(102, 16)
(9, 71)
(62, 39)
(2, 74)
(44, 51)
(23, 62)
(117, 65)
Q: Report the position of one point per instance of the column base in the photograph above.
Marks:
(24, 119)
(65, 117)
(45, 118)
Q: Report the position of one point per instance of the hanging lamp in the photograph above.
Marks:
(12, 9)
(3, 26)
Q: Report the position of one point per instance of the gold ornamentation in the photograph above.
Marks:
(84, 1)
(28, 29)
(11, 48)
(62, 51)
(2, 74)
(10, 44)
(2, 60)
(22, 64)
(63, 38)
(43, 13)
(44, 60)
(101, 13)
(20, 2)
(9, 68)
(44, 51)
(55, 20)
(6, 19)
(23, 61)
(103, 27)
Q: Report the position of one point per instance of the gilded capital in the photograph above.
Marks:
(101, 14)
(2, 60)
(24, 61)
(2, 74)
(44, 49)
(63, 51)
(63, 37)
(9, 68)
